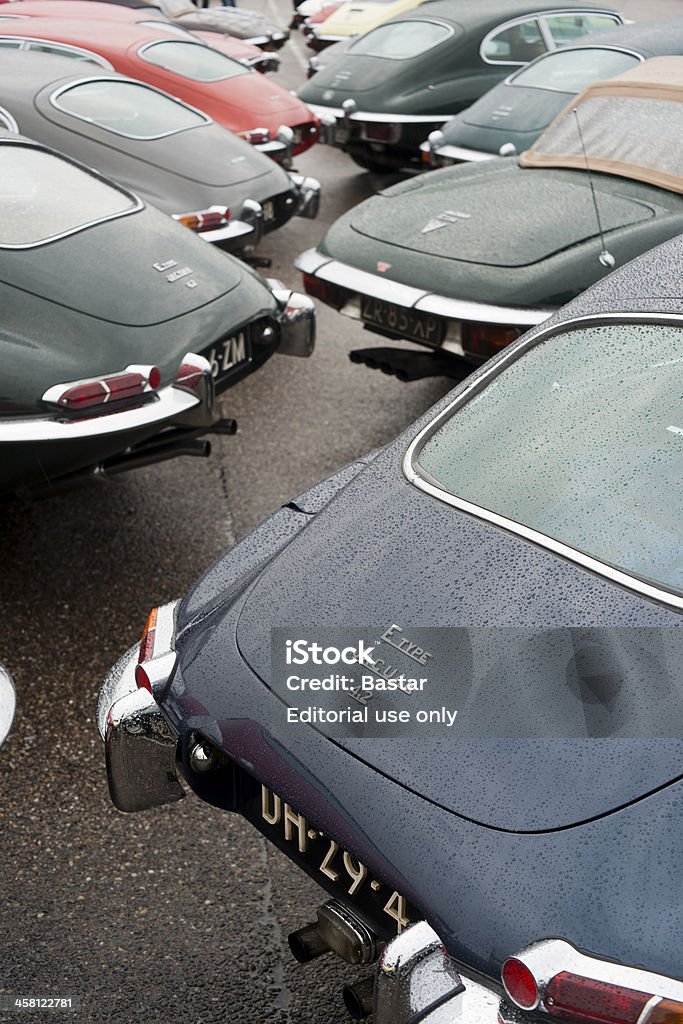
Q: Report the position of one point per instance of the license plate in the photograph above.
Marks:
(343, 875)
(227, 355)
(268, 211)
(405, 323)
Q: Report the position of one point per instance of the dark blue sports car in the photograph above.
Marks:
(447, 683)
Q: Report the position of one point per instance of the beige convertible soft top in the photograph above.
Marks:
(632, 126)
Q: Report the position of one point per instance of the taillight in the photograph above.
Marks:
(486, 340)
(571, 997)
(256, 136)
(304, 136)
(555, 979)
(520, 984)
(665, 1011)
(97, 391)
(204, 220)
(326, 291)
(147, 639)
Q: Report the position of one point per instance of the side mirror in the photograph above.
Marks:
(8, 702)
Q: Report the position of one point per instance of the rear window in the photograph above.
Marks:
(516, 44)
(581, 440)
(43, 197)
(193, 60)
(568, 28)
(573, 70)
(127, 108)
(402, 40)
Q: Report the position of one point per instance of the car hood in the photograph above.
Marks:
(384, 553)
(493, 202)
(131, 262)
(504, 114)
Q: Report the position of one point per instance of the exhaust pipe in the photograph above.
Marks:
(358, 998)
(307, 943)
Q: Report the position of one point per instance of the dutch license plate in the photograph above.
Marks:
(268, 211)
(406, 323)
(343, 875)
(227, 355)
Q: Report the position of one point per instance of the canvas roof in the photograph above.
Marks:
(632, 126)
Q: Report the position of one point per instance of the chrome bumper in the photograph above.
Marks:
(308, 192)
(191, 407)
(8, 702)
(441, 154)
(417, 980)
(336, 122)
(361, 282)
(246, 227)
(296, 316)
(140, 746)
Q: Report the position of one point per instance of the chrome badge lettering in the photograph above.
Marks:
(177, 275)
(394, 636)
(447, 217)
(166, 265)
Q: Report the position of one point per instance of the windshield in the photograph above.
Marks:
(572, 70)
(128, 108)
(29, 181)
(193, 60)
(580, 439)
(402, 40)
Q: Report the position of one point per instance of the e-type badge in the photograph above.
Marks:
(447, 217)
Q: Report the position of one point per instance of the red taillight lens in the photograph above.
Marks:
(520, 984)
(304, 136)
(486, 340)
(326, 291)
(115, 387)
(142, 679)
(189, 375)
(147, 640)
(571, 997)
(204, 220)
(256, 136)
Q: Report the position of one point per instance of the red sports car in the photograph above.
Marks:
(255, 107)
(245, 53)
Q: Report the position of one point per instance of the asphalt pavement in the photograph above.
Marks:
(178, 914)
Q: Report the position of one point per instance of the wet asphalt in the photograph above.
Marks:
(178, 913)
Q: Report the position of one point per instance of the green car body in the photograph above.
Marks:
(465, 258)
(94, 285)
(379, 108)
(509, 118)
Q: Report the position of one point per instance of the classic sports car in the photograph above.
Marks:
(356, 19)
(238, 49)
(461, 260)
(8, 703)
(233, 95)
(520, 550)
(510, 117)
(383, 95)
(168, 153)
(117, 324)
(251, 26)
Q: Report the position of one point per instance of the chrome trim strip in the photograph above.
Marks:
(126, 135)
(169, 403)
(43, 41)
(411, 472)
(403, 295)
(373, 117)
(8, 122)
(459, 153)
(137, 203)
(539, 16)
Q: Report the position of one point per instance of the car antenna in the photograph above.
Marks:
(606, 258)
